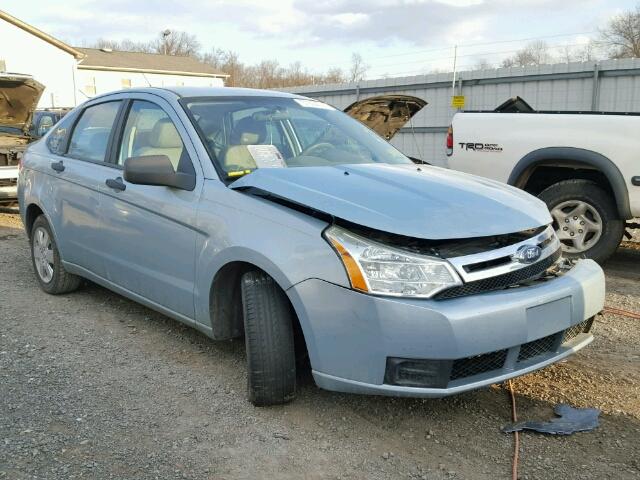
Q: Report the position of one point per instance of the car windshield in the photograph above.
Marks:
(245, 133)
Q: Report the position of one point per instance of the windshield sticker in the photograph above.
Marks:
(266, 156)
(303, 102)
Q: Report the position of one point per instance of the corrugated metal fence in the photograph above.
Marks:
(610, 85)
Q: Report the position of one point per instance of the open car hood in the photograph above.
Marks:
(19, 96)
(385, 114)
(429, 203)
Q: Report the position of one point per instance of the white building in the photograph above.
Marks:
(104, 70)
(71, 74)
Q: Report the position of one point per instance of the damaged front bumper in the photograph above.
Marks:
(432, 348)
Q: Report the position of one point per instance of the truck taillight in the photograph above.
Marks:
(450, 141)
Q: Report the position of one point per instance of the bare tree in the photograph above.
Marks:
(585, 53)
(215, 57)
(622, 35)
(482, 64)
(535, 53)
(172, 42)
(358, 68)
(125, 45)
(333, 75)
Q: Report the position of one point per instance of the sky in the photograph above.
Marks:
(395, 37)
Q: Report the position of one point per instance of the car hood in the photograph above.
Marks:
(426, 202)
(19, 96)
(385, 114)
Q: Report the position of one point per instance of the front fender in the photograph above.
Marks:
(238, 227)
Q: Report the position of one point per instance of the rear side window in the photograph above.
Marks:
(57, 140)
(90, 137)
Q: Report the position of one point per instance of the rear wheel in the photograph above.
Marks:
(268, 328)
(51, 275)
(585, 219)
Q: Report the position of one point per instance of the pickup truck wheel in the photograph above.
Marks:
(585, 219)
(51, 275)
(268, 329)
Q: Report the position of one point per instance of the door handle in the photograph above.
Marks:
(115, 183)
(58, 166)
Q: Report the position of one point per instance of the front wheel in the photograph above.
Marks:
(268, 330)
(51, 275)
(585, 219)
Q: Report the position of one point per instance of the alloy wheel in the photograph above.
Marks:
(578, 225)
(43, 254)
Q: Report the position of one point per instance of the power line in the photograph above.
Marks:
(482, 44)
(477, 54)
(478, 44)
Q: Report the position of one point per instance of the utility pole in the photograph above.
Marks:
(165, 34)
(455, 61)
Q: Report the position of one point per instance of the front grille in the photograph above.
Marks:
(542, 346)
(499, 282)
(572, 332)
(470, 366)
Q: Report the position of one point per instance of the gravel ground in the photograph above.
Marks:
(95, 386)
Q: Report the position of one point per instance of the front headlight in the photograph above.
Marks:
(379, 269)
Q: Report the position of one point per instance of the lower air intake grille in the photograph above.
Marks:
(542, 346)
(499, 282)
(572, 332)
(470, 366)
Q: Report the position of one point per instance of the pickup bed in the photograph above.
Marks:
(584, 165)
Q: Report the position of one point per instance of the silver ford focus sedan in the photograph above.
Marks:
(281, 219)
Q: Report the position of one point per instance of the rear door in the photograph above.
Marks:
(80, 172)
(151, 248)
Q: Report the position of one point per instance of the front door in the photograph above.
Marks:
(151, 250)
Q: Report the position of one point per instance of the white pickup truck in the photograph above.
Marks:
(584, 165)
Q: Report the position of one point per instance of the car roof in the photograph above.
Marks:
(188, 92)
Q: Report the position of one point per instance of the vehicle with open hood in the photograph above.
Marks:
(281, 219)
(19, 96)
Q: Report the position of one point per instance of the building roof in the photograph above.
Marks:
(40, 34)
(107, 59)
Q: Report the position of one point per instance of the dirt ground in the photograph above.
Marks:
(95, 386)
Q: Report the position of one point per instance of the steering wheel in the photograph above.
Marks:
(316, 146)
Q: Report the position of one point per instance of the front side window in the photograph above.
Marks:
(150, 131)
(245, 133)
(90, 136)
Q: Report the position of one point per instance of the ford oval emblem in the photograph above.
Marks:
(527, 254)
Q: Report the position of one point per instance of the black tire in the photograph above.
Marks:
(589, 192)
(268, 331)
(61, 281)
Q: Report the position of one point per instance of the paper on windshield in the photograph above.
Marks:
(266, 156)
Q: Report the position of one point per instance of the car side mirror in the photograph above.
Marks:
(156, 170)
